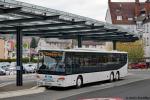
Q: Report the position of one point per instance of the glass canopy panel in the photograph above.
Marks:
(36, 15)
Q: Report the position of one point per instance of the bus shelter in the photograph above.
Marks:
(25, 19)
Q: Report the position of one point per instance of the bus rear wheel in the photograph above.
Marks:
(79, 82)
(117, 76)
(111, 79)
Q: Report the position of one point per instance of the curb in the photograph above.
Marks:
(139, 69)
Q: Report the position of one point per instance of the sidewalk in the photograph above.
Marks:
(13, 87)
(8, 83)
(12, 90)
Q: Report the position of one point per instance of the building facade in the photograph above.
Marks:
(8, 47)
(133, 16)
(54, 43)
(3, 52)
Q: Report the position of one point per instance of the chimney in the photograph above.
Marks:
(137, 8)
(147, 6)
(136, 1)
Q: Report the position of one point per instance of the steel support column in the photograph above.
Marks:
(19, 67)
(79, 41)
(114, 45)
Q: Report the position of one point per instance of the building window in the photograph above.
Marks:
(147, 28)
(139, 25)
(147, 41)
(86, 46)
(119, 17)
(130, 19)
(144, 41)
(144, 28)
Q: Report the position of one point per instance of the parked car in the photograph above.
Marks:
(2, 71)
(34, 66)
(148, 64)
(29, 68)
(4, 67)
(11, 71)
(4, 63)
(140, 65)
(13, 64)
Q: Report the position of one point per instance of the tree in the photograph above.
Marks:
(25, 45)
(33, 43)
(135, 49)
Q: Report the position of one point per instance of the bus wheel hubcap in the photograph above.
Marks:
(111, 77)
(117, 76)
(79, 82)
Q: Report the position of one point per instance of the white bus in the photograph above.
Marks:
(64, 68)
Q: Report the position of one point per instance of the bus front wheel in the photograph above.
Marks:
(79, 82)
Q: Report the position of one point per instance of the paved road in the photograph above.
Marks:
(132, 91)
(123, 88)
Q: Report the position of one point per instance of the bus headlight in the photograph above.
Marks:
(61, 79)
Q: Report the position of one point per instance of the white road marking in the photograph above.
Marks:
(103, 99)
(6, 83)
(103, 85)
(130, 74)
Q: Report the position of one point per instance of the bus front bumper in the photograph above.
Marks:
(50, 84)
(44, 83)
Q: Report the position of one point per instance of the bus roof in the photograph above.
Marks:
(83, 50)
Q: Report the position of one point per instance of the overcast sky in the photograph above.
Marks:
(90, 8)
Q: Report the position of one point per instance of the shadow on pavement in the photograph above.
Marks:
(84, 86)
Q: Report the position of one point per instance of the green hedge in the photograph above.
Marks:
(25, 60)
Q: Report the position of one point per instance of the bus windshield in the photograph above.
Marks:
(51, 63)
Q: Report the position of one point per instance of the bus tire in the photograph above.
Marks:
(47, 87)
(111, 79)
(117, 76)
(79, 82)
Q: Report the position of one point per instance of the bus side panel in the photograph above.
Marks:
(87, 77)
(124, 71)
(90, 77)
(71, 80)
(104, 75)
(95, 76)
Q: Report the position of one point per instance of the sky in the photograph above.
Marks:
(95, 9)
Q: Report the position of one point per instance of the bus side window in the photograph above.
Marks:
(68, 61)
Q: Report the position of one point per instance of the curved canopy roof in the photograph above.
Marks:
(45, 22)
